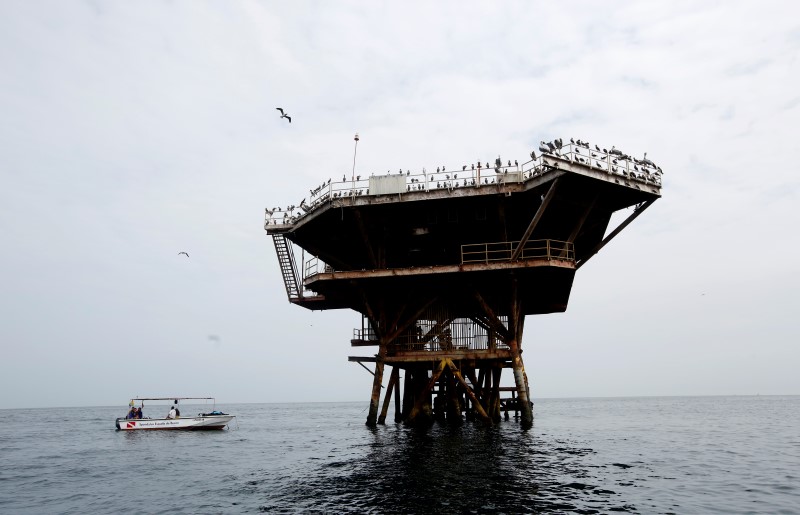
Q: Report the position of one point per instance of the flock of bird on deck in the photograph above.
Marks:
(612, 161)
(643, 169)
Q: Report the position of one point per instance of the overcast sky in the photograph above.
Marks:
(132, 131)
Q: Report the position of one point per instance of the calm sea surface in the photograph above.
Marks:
(638, 455)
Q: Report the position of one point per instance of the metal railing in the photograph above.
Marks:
(314, 266)
(613, 162)
(502, 251)
(460, 334)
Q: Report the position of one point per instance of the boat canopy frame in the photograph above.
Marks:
(173, 398)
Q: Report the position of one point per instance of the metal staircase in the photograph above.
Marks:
(288, 268)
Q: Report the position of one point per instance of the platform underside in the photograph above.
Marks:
(547, 286)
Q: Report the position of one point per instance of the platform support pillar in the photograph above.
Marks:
(398, 414)
(372, 417)
(393, 378)
(522, 386)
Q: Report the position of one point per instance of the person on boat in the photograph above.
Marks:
(172, 413)
(138, 413)
(131, 413)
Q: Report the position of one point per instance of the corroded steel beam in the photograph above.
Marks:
(364, 359)
(440, 269)
(388, 397)
(581, 221)
(365, 237)
(471, 394)
(491, 318)
(421, 395)
(538, 216)
(522, 386)
(636, 212)
(407, 323)
(376, 388)
(419, 356)
(398, 416)
(364, 343)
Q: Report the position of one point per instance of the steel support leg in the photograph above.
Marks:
(522, 387)
(372, 418)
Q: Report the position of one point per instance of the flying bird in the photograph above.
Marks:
(284, 115)
(184, 253)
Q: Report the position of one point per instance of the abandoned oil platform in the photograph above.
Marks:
(444, 266)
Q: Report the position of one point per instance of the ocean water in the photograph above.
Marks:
(636, 455)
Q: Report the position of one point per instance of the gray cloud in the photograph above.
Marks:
(133, 131)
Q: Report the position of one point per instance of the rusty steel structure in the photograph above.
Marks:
(443, 268)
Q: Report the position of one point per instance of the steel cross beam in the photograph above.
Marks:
(636, 212)
(579, 226)
(535, 221)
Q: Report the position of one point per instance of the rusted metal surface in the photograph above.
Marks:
(496, 252)
(470, 393)
(347, 193)
(536, 217)
(422, 356)
(376, 393)
(393, 379)
(438, 270)
(444, 268)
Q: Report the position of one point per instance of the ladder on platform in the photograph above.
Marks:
(288, 268)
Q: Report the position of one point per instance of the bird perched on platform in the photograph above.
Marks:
(184, 253)
(284, 115)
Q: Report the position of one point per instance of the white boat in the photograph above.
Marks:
(212, 419)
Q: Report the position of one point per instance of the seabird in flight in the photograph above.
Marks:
(184, 253)
(284, 115)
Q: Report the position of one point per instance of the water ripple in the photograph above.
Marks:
(654, 455)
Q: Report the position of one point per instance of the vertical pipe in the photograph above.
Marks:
(408, 392)
(398, 416)
(486, 390)
(495, 413)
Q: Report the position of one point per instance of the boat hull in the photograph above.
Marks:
(210, 422)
